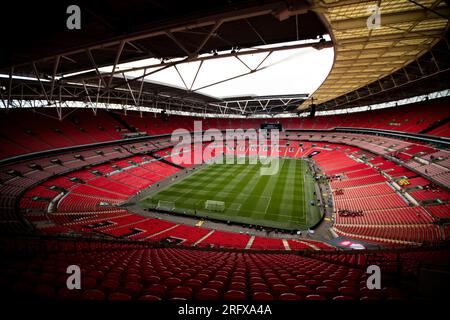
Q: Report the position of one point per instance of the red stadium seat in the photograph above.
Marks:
(207, 294)
(149, 297)
(342, 298)
(315, 297)
(115, 296)
(93, 294)
(262, 296)
(234, 295)
(181, 292)
(289, 297)
(158, 290)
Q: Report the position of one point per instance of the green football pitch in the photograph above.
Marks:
(281, 200)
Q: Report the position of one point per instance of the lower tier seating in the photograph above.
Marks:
(413, 233)
(387, 201)
(92, 199)
(391, 216)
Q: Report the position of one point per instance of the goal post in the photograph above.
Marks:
(213, 205)
(166, 205)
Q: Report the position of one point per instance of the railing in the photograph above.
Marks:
(42, 241)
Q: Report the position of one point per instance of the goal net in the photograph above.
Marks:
(213, 205)
(166, 205)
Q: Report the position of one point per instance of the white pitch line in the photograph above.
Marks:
(267, 206)
(244, 194)
(260, 213)
(270, 197)
(304, 200)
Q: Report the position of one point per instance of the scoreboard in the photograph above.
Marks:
(271, 126)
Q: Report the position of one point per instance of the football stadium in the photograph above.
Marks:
(235, 150)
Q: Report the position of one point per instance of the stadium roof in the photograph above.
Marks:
(44, 64)
(363, 56)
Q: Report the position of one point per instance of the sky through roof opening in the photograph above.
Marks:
(291, 71)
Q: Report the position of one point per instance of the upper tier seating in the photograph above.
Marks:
(23, 131)
(37, 131)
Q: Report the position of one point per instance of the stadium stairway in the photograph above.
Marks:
(117, 118)
(439, 123)
(162, 159)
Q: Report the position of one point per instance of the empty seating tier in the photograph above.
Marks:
(129, 270)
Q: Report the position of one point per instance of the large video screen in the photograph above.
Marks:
(271, 126)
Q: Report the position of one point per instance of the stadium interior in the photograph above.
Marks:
(90, 173)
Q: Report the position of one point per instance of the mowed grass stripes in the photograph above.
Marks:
(281, 200)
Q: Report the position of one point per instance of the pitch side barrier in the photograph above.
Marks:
(47, 243)
(233, 223)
